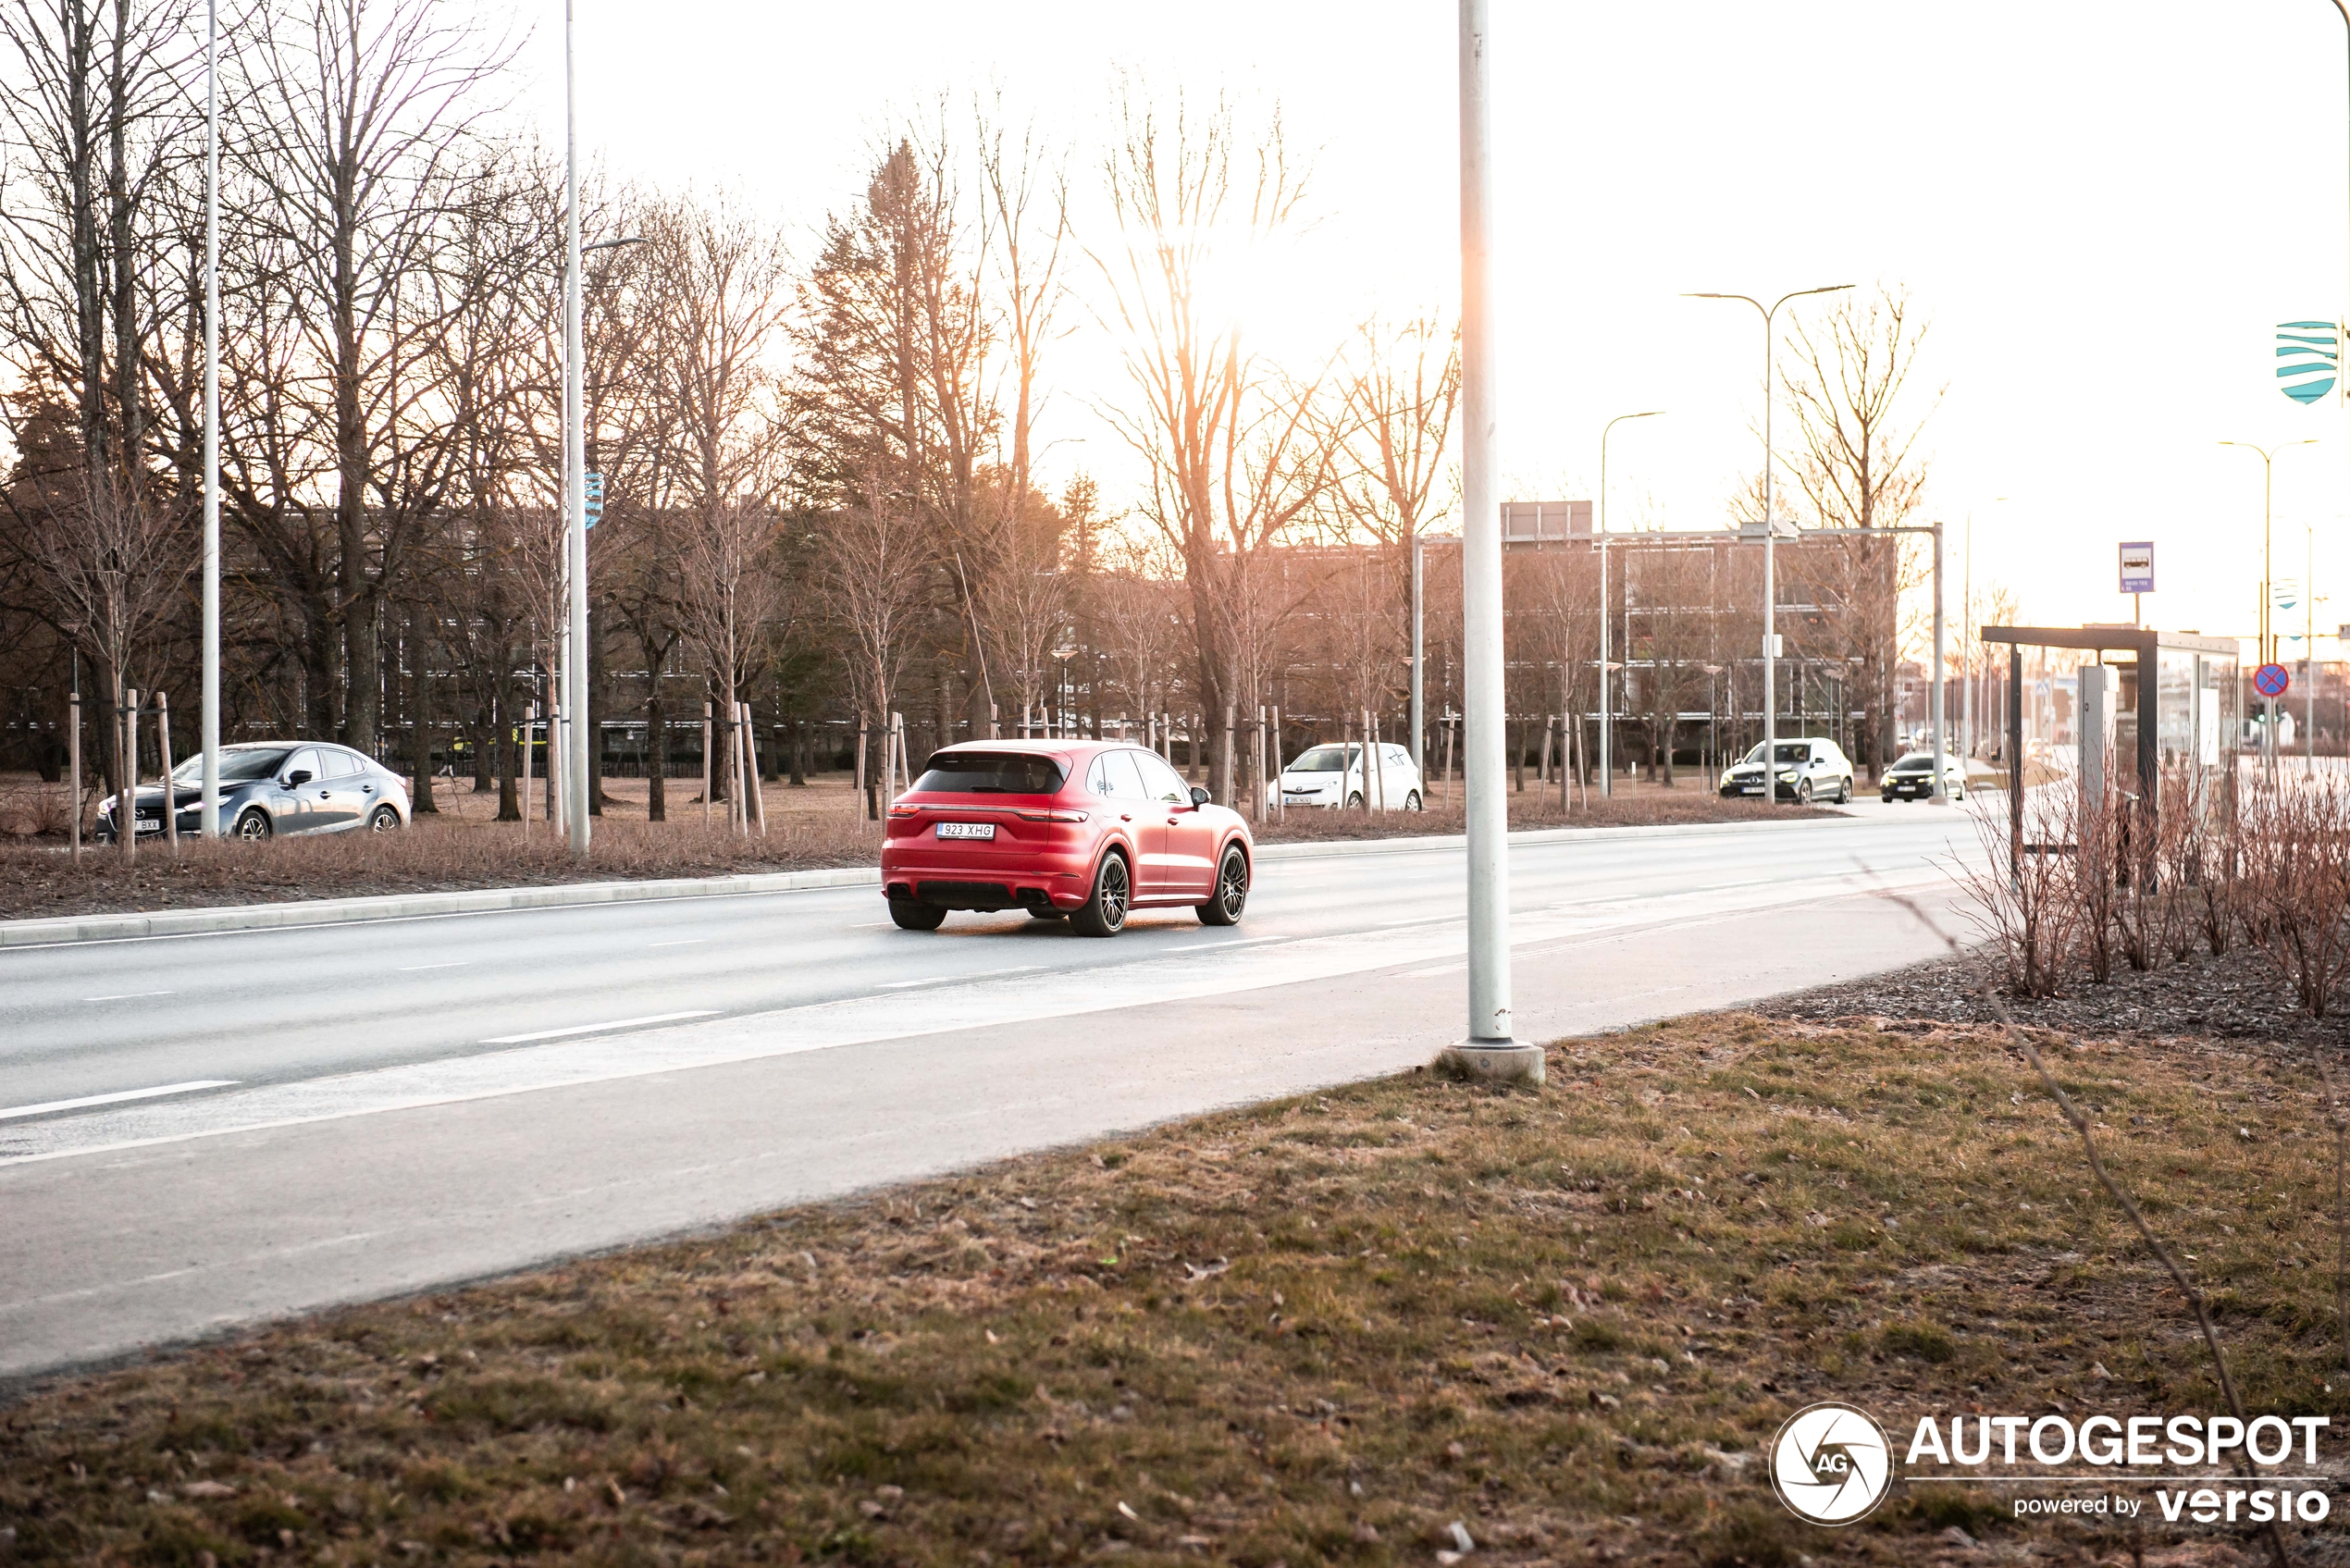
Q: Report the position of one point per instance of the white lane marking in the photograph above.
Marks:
(417, 968)
(593, 1028)
(1424, 921)
(1441, 968)
(950, 979)
(127, 995)
(43, 1109)
(681, 941)
(1235, 942)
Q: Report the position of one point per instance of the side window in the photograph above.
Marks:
(307, 761)
(1160, 781)
(1125, 783)
(1398, 758)
(1098, 776)
(343, 764)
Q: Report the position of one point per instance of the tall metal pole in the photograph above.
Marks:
(1607, 717)
(1769, 533)
(1418, 657)
(1941, 795)
(208, 816)
(1966, 644)
(2268, 579)
(1489, 1049)
(575, 465)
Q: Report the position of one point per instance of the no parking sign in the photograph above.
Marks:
(2270, 680)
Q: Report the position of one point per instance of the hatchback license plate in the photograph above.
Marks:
(966, 830)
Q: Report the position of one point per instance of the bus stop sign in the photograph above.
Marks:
(2272, 680)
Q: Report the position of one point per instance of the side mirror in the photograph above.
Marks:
(1200, 797)
(296, 779)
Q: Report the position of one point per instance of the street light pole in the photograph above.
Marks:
(2267, 580)
(1418, 655)
(1770, 534)
(1607, 718)
(1489, 1050)
(574, 467)
(208, 818)
(1941, 795)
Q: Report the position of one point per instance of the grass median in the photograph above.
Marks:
(1321, 1331)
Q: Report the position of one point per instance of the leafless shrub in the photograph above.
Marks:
(2033, 917)
(2183, 842)
(2294, 854)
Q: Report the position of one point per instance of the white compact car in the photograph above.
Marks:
(1807, 770)
(1332, 775)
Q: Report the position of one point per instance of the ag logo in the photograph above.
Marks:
(1830, 1463)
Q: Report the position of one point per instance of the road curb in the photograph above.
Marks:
(410, 905)
(407, 906)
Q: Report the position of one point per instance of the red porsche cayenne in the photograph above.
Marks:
(1085, 829)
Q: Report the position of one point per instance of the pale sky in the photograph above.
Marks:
(2104, 211)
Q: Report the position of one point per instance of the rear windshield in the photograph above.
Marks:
(989, 772)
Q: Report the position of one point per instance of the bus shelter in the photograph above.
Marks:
(2178, 713)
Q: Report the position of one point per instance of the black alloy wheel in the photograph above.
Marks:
(1231, 891)
(1104, 911)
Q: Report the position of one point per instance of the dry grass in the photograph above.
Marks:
(1317, 1331)
(465, 846)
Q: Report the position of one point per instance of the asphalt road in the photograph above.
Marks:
(201, 1131)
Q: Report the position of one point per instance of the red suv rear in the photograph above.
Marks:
(1088, 830)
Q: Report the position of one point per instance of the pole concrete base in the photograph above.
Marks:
(1491, 1061)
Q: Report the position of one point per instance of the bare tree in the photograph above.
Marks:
(1235, 450)
(370, 108)
(873, 559)
(1860, 467)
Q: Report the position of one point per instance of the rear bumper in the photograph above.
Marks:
(969, 879)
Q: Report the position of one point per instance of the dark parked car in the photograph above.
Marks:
(270, 787)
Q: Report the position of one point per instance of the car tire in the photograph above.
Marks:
(1844, 792)
(1231, 891)
(254, 827)
(384, 819)
(1959, 794)
(1412, 801)
(1803, 793)
(1355, 801)
(1104, 911)
(102, 838)
(912, 915)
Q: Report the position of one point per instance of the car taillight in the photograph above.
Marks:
(897, 810)
(1050, 816)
